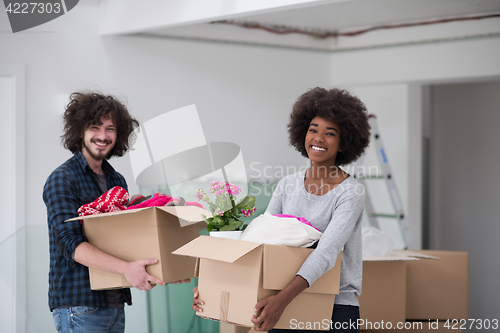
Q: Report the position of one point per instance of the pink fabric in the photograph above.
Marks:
(156, 200)
(194, 203)
(301, 219)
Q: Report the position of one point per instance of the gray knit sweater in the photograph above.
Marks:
(337, 214)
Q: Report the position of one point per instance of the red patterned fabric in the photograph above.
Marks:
(113, 200)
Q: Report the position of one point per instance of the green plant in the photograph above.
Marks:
(225, 213)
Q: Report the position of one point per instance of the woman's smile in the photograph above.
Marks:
(322, 141)
(318, 148)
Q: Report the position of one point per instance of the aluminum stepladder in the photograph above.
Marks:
(399, 214)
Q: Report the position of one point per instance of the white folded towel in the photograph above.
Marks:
(270, 229)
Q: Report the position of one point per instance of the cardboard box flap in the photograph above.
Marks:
(413, 254)
(404, 255)
(121, 212)
(278, 273)
(395, 255)
(221, 249)
(187, 214)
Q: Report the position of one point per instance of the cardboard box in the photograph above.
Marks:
(232, 328)
(438, 289)
(234, 275)
(144, 233)
(383, 294)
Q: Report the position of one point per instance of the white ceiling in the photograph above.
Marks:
(346, 16)
(351, 15)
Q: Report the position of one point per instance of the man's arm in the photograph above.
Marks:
(135, 272)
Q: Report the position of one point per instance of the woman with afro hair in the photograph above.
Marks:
(330, 127)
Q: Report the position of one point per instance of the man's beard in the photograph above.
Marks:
(99, 157)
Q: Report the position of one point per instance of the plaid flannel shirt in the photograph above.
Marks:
(70, 186)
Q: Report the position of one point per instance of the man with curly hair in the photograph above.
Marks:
(97, 127)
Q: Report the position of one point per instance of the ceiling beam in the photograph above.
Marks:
(120, 17)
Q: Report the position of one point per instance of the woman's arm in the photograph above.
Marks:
(344, 219)
(276, 203)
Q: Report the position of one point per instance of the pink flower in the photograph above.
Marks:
(215, 186)
(228, 188)
(200, 195)
(233, 189)
(247, 212)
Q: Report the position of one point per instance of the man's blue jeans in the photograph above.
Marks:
(83, 319)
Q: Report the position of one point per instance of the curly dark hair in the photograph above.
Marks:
(334, 105)
(86, 109)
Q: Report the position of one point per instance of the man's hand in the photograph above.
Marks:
(197, 301)
(271, 308)
(135, 273)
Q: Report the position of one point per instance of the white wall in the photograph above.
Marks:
(464, 211)
(7, 166)
(376, 74)
(12, 199)
(422, 63)
(8, 225)
(243, 95)
(237, 90)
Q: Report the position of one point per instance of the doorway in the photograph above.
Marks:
(12, 224)
(463, 186)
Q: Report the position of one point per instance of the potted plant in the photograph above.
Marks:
(226, 214)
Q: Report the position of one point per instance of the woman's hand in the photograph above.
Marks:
(271, 308)
(197, 301)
